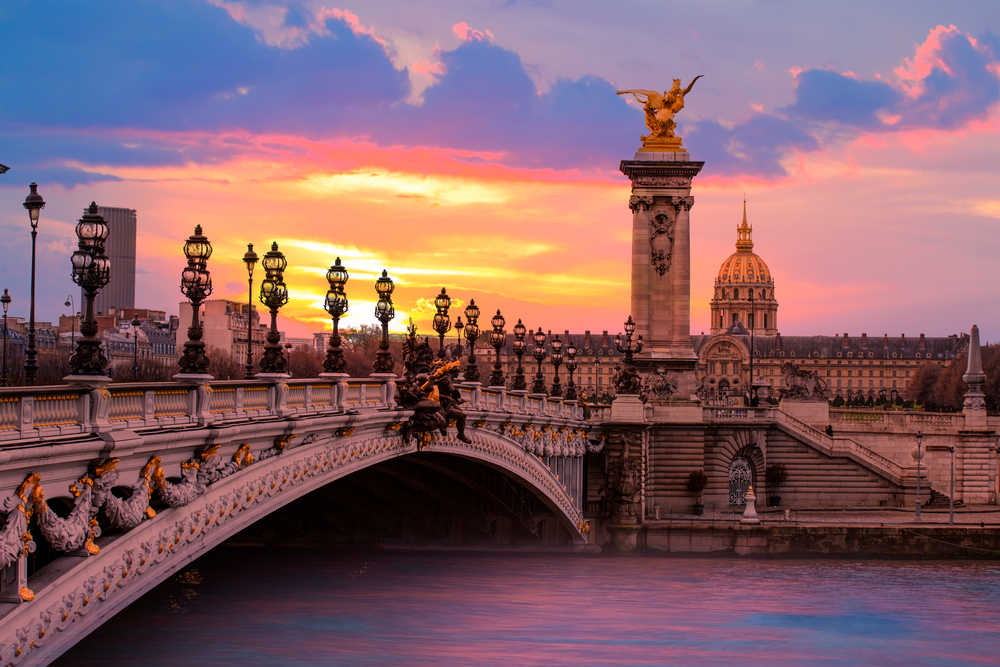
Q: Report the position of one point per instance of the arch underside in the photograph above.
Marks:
(75, 595)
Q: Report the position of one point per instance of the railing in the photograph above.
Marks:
(738, 413)
(882, 420)
(30, 412)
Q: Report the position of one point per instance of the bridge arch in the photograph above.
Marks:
(78, 594)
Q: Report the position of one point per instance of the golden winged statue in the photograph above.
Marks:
(660, 109)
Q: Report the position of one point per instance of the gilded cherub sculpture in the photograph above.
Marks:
(660, 109)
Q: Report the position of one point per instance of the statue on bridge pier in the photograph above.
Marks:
(800, 383)
(427, 389)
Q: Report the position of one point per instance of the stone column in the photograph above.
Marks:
(661, 260)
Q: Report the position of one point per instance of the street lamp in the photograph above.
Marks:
(196, 285)
(274, 295)
(498, 339)
(458, 334)
(520, 330)
(91, 271)
(628, 349)
(72, 323)
(472, 335)
(597, 372)
(920, 437)
(538, 387)
(135, 348)
(336, 306)
(384, 312)
(250, 259)
(5, 300)
(571, 365)
(442, 323)
(556, 359)
(34, 203)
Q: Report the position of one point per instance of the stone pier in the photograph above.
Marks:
(661, 202)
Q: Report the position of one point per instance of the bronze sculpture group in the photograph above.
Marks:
(428, 389)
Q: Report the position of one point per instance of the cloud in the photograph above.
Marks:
(467, 34)
(953, 80)
(182, 73)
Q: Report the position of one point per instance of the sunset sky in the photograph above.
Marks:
(475, 146)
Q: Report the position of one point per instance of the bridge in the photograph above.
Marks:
(82, 468)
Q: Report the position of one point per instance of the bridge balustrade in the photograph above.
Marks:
(61, 410)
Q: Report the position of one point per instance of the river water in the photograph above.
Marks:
(300, 607)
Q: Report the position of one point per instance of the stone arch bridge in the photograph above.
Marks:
(216, 458)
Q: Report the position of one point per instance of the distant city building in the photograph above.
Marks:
(741, 274)
(224, 326)
(120, 249)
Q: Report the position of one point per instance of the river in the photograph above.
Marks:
(299, 607)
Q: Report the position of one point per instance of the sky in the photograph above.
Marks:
(476, 146)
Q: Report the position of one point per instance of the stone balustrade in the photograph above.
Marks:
(29, 413)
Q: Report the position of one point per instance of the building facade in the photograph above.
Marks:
(224, 326)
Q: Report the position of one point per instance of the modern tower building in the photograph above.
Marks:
(120, 248)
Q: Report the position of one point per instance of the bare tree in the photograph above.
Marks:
(305, 362)
(222, 365)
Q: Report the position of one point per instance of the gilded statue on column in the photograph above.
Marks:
(660, 110)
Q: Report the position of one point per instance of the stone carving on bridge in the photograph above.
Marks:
(15, 539)
(800, 383)
(659, 386)
(661, 224)
(205, 468)
(124, 514)
(79, 529)
(635, 202)
(623, 479)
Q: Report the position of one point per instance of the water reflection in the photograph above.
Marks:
(301, 607)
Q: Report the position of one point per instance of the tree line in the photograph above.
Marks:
(942, 389)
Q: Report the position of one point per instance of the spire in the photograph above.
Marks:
(743, 241)
(975, 402)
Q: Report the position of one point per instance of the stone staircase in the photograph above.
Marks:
(940, 500)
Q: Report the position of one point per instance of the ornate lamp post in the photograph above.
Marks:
(34, 203)
(472, 335)
(442, 323)
(91, 271)
(538, 387)
(73, 318)
(384, 312)
(571, 367)
(336, 305)
(458, 334)
(5, 300)
(919, 455)
(135, 348)
(556, 358)
(520, 330)
(274, 295)
(196, 285)
(597, 372)
(498, 339)
(629, 348)
(250, 259)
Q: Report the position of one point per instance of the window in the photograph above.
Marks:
(736, 293)
(765, 320)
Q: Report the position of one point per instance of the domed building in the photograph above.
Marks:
(742, 274)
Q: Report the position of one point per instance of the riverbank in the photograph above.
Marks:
(882, 534)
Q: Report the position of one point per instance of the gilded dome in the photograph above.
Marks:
(743, 266)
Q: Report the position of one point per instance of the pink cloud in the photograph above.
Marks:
(467, 34)
(428, 69)
(913, 72)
